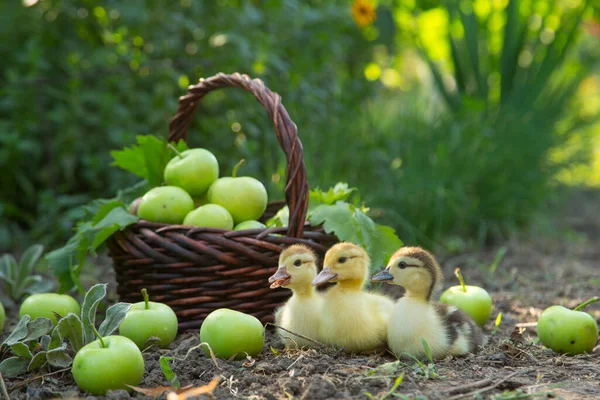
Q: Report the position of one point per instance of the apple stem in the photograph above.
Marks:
(175, 150)
(460, 279)
(234, 173)
(98, 335)
(585, 303)
(146, 298)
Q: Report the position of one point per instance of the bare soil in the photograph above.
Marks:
(556, 265)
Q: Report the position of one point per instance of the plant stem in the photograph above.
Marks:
(585, 303)
(98, 335)
(234, 173)
(146, 298)
(175, 150)
(460, 279)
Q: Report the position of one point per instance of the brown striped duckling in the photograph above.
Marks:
(446, 329)
(301, 313)
(351, 317)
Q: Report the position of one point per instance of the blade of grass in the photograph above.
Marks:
(513, 44)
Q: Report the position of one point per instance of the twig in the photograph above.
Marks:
(526, 324)
(297, 359)
(25, 382)
(4, 391)
(469, 387)
(488, 388)
(297, 334)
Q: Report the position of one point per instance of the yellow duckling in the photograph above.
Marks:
(351, 318)
(301, 313)
(446, 329)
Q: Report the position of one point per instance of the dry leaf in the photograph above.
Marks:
(206, 389)
(157, 391)
(249, 362)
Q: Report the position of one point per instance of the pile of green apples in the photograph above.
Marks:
(194, 195)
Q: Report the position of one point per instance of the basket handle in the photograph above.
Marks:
(296, 188)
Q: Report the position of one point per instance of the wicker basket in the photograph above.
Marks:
(197, 270)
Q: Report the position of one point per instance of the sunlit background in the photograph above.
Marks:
(459, 121)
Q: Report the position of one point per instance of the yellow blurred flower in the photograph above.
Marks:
(363, 12)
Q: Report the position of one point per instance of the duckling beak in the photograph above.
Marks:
(382, 276)
(280, 278)
(324, 276)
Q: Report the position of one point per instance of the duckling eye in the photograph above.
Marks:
(402, 265)
(297, 263)
(342, 260)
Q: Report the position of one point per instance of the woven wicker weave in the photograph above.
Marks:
(197, 270)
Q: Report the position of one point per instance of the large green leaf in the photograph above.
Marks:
(115, 314)
(19, 332)
(71, 328)
(13, 367)
(27, 262)
(147, 159)
(88, 309)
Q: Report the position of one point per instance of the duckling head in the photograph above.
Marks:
(415, 269)
(297, 268)
(344, 263)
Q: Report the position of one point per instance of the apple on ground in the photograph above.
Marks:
(209, 216)
(244, 197)
(148, 319)
(108, 363)
(2, 317)
(473, 300)
(251, 224)
(44, 304)
(229, 332)
(165, 204)
(568, 331)
(193, 170)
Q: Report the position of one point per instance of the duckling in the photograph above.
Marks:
(446, 329)
(301, 313)
(351, 318)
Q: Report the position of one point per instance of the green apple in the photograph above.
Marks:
(249, 225)
(568, 331)
(165, 204)
(230, 333)
(108, 363)
(146, 319)
(193, 170)
(244, 197)
(2, 317)
(209, 216)
(133, 207)
(473, 300)
(44, 304)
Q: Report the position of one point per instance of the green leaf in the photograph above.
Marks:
(88, 309)
(71, 328)
(36, 284)
(38, 361)
(380, 240)
(18, 333)
(168, 372)
(340, 192)
(58, 357)
(29, 259)
(45, 342)
(350, 224)
(37, 328)
(427, 350)
(21, 350)
(13, 367)
(109, 216)
(148, 158)
(338, 219)
(115, 314)
(282, 218)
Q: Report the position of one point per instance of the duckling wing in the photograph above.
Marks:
(464, 334)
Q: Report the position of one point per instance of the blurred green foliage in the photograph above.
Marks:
(452, 118)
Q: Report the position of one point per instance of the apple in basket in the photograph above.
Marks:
(210, 216)
(244, 197)
(165, 204)
(193, 170)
